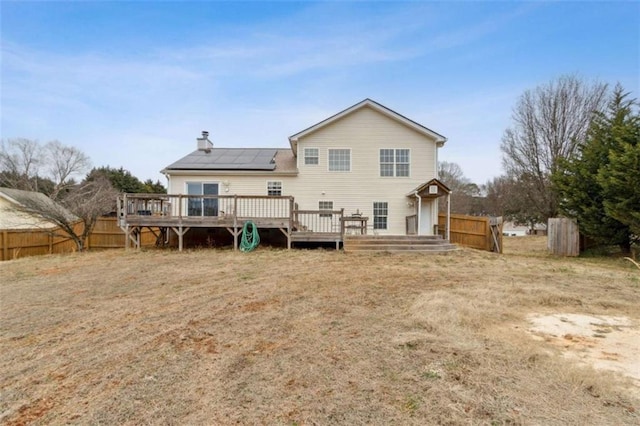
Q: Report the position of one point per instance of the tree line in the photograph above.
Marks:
(53, 169)
(573, 150)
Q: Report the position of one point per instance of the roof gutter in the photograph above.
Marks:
(200, 172)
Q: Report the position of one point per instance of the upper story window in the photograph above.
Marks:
(395, 162)
(274, 188)
(339, 160)
(310, 156)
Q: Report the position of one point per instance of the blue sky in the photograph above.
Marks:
(132, 84)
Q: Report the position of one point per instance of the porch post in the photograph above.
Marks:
(448, 232)
(419, 221)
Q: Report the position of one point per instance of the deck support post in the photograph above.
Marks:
(235, 232)
(138, 234)
(132, 235)
(127, 235)
(180, 231)
(287, 233)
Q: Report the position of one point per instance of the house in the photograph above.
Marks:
(14, 204)
(367, 169)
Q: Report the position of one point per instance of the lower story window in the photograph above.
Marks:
(380, 214)
(274, 188)
(325, 206)
(205, 206)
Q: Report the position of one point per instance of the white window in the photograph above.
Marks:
(395, 162)
(274, 188)
(380, 214)
(339, 160)
(325, 206)
(310, 156)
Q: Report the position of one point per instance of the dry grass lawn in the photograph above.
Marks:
(306, 337)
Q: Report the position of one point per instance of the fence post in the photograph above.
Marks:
(5, 245)
(487, 230)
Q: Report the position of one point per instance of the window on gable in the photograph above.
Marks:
(395, 162)
(310, 156)
(274, 188)
(380, 214)
(339, 160)
(325, 206)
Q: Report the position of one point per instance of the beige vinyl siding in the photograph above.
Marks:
(237, 185)
(12, 218)
(366, 132)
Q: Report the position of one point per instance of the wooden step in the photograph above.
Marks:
(397, 243)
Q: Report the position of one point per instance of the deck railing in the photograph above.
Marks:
(226, 210)
(323, 221)
(204, 206)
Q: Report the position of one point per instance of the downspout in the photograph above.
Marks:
(419, 211)
(168, 177)
(436, 165)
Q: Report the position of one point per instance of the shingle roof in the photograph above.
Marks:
(30, 201)
(265, 159)
(24, 197)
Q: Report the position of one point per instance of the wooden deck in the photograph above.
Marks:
(180, 213)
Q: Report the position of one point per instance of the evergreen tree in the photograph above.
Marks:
(121, 179)
(152, 187)
(620, 180)
(579, 183)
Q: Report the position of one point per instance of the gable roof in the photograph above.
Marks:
(424, 189)
(16, 218)
(368, 103)
(20, 197)
(232, 159)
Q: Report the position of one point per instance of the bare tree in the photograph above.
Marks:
(548, 125)
(464, 193)
(64, 162)
(77, 210)
(509, 197)
(27, 165)
(20, 161)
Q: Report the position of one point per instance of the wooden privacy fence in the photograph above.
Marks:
(479, 232)
(563, 237)
(34, 242)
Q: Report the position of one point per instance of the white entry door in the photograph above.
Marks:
(426, 217)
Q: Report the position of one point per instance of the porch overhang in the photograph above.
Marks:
(431, 189)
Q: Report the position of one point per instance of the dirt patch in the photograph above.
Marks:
(604, 342)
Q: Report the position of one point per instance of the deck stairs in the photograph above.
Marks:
(397, 243)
